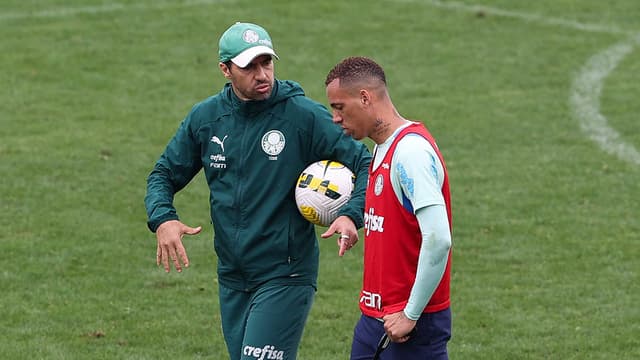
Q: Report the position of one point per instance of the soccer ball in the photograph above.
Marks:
(322, 189)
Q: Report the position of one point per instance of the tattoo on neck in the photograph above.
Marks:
(381, 126)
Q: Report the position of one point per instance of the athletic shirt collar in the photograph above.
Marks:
(379, 151)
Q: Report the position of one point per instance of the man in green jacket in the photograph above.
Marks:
(253, 139)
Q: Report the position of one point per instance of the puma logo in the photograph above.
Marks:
(217, 140)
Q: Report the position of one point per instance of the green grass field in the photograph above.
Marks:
(534, 105)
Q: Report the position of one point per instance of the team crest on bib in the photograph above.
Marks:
(273, 143)
(377, 187)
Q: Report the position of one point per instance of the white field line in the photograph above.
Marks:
(452, 5)
(528, 17)
(585, 100)
(586, 89)
(105, 8)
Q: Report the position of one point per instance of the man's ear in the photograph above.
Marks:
(226, 71)
(365, 97)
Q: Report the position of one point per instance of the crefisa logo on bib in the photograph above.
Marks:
(373, 222)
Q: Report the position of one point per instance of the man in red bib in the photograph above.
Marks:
(407, 232)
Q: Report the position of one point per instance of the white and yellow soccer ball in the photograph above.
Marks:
(321, 190)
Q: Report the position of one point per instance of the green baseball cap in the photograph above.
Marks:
(242, 42)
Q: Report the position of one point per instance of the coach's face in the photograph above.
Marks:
(350, 110)
(252, 82)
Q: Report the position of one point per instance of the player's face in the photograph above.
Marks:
(253, 82)
(349, 111)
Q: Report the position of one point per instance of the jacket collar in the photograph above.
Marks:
(251, 106)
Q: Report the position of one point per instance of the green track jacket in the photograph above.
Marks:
(252, 154)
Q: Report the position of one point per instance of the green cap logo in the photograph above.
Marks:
(242, 42)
